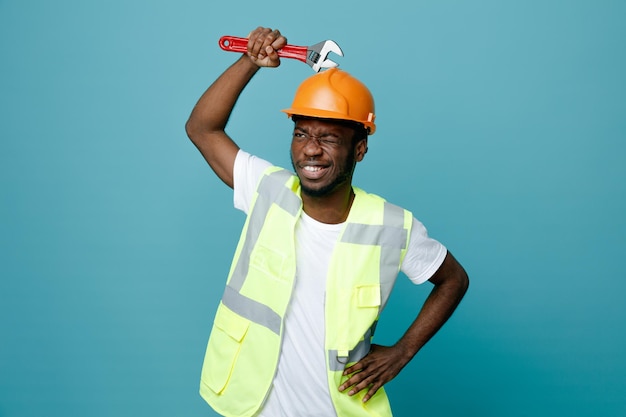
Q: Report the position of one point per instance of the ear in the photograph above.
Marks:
(360, 149)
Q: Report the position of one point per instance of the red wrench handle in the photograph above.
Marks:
(235, 44)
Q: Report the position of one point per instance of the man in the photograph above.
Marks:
(316, 260)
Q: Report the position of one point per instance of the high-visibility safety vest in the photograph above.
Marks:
(244, 346)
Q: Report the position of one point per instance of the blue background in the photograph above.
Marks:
(502, 125)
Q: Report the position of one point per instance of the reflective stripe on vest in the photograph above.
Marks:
(271, 190)
(338, 363)
(392, 237)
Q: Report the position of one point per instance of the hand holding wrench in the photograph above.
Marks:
(316, 56)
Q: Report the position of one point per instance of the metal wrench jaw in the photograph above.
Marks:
(317, 55)
(328, 63)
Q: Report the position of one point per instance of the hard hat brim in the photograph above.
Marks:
(326, 114)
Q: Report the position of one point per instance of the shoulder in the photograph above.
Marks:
(248, 164)
(248, 170)
(388, 213)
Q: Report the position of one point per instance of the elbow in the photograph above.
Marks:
(451, 275)
(458, 281)
(460, 278)
(191, 130)
(456, 286)
(463, 281)
(200, 133)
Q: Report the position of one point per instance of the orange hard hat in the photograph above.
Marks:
(334, 94)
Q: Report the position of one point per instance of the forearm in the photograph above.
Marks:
(437, 309)
(451, 283)
(215, 106)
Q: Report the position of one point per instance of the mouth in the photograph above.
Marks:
(313, 172)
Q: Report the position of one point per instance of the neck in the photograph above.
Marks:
(331, 209)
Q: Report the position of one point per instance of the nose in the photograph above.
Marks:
(312, 146)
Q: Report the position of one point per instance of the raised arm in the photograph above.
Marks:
(207, 122)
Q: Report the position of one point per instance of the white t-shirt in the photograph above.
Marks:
(300, 387)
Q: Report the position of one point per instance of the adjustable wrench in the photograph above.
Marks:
(316, 56)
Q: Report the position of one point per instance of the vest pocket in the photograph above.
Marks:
(361, 314)
(368, 295)
(269, 262)
(229, 330)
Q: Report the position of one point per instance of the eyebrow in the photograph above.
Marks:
(303, 130)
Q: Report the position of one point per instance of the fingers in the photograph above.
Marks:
(354, 368)
(359, 381)
(361, 378)
(377, 368)
(263, 44)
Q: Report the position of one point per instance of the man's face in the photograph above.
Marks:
(324, 156)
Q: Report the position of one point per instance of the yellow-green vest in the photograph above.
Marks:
(244, 346)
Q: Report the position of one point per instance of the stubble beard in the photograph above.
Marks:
(344, 176)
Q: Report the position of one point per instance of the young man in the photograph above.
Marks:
(317, 257)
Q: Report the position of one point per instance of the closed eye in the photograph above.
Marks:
(326, 139)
